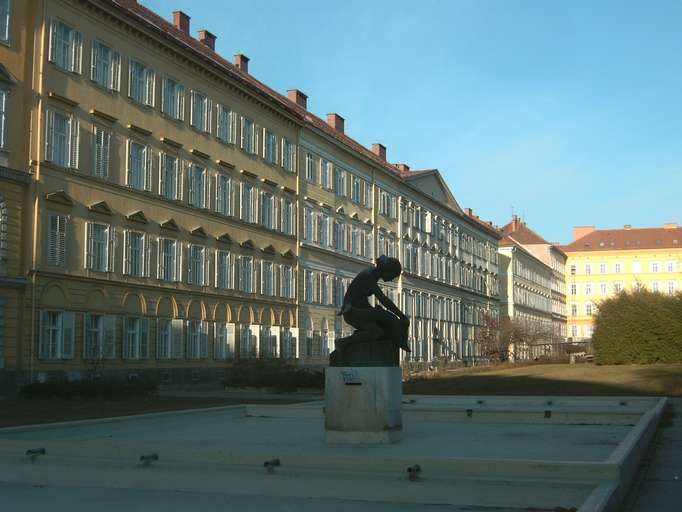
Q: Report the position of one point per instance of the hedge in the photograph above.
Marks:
(106, 389)
(280, 376)
(639, 327)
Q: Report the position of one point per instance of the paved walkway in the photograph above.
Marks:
(660, 486)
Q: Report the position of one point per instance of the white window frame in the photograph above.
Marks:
(270, 149)
(141, 89)
(63, 152)
(92, 251)
(5, 11)
(132, 265)
(288, 155)
(60, 344)
(224, 192)
(200, 110)
(197, 265)
(287, 215)
(169, 173)
(99, 336)
(247, 273)
(197, 339)
(223, 269)
(173, 99)
(198, 187)
(168, 267)
(267, 278)
(249, 136)
(135, 338)
(105, 66)
(226, 124)
(4, 94)
(72, 46)
(139, 178)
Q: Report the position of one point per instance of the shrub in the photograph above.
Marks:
(106, 389)
(639, 327)
(280, 376)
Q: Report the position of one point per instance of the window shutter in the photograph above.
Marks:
(209, 116)
(255, 204)
(49, 136)
(126, 338)
(241, 131)
(207, 267)
(261, 150)
(204, 340)
(77, 52)
(143, 341)
(177, 247)
(67, 335)
(75, 137)
(88, 350)
(149, 165)
(192, 100)
(163, 95)
(43, 347)
(109, 337)
(111, 231)
(116, 71)
(160, 260)
(93, 61)
(89, 248)
(207, 190)
(105, 154)
(52, 40)
(181, 103)
(162, 174)
(190, 184)
(190, 264)
(147, 255)
(126, 252)
(150, 85)
(129, 166)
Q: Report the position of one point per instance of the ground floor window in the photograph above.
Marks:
(136, 338)
(56, 334)
(99, 336)
(223, 340)
(248, 341)
(288, 339)
(197, 339)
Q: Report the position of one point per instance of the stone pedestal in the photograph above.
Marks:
(363, 404)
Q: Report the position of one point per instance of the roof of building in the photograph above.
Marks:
(158, 23)
(524, 235)
(510, 241)
(669, 237)
(167, 29)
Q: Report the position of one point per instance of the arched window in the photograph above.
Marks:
(3, 236)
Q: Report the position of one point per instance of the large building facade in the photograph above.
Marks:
(174, 214)
(604, 262)
(532, 294)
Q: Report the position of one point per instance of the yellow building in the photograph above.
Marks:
(163, 212)
(602, 262)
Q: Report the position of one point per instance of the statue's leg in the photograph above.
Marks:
(393, 328)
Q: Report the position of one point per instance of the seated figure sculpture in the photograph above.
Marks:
(380, 333)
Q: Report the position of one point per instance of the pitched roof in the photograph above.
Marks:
(167, 29)
(627, 239)
(523, 233)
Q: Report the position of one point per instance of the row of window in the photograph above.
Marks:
(618, 268)
(108, 337)
(66, 49)
(584, 331)
(336, 233)
(531, 273)
(606, 288)
(230, 271)
(331, 177)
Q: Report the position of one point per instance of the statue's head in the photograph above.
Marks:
(389, 268)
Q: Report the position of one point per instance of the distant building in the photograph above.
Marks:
(603, 262)
(532, 287)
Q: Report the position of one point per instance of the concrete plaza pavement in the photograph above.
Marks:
(659, 488)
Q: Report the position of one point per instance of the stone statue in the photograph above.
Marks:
(380, 333)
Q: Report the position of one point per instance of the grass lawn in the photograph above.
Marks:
(553, 379)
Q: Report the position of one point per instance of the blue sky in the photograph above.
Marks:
(568, 112)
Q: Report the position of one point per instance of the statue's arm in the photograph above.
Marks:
(388, 304)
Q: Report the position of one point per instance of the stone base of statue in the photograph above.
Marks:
(363, 404)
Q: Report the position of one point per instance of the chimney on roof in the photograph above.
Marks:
(207, 38)
(379, 150)
(516, 222)
(336, 121)
(181, 21)
(581, 231)
(403, 167)
(298, 97)
(469, 212)
(670, 225)
(242, 62)
(627, 226)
